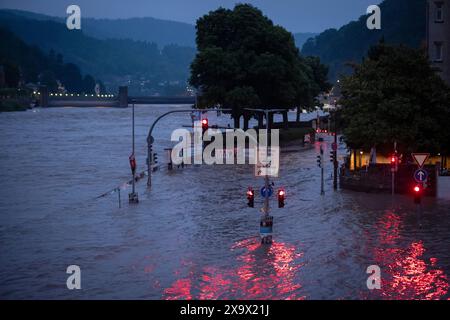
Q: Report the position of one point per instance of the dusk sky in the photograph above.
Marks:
(295, 15)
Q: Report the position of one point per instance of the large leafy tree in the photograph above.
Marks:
(395, 95)
(244, 60)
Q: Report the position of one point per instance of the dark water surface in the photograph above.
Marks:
(193, 236)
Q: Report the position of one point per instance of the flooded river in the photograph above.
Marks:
(193, 235)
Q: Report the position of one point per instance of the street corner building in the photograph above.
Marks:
(438, 36)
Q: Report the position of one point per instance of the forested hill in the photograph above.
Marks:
(29, 64)
(148, 29)
(402, 22)
(116, 61)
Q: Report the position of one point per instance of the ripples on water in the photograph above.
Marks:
(193, 236)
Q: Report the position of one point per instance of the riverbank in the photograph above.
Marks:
(12, 99)
(9, 105)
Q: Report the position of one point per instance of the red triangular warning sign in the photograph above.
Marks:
(420, 158)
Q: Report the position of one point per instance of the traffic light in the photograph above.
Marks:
(155, 158)
(319, 161)
(417, 194)
(132, 160)
(331, 156)
(204, 125)
(281, 194)
(251, 197)
(394, 163)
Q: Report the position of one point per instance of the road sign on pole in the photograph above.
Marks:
(420, 158)
(266, 192)
(421, 176)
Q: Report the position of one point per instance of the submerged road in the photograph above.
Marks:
(193, 235)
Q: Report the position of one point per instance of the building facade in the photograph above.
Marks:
(438, 36)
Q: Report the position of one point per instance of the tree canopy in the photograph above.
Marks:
(395, 95)
(244, 60)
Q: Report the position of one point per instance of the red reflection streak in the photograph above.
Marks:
(262, 273)
(180, 289)
(405, 274)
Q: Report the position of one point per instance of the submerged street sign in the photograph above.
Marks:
(421, 175)
(420, 158)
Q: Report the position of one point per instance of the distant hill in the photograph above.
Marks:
(30, 64)
(403, 22)
(161, 32)
(301, 37)
(145, 67)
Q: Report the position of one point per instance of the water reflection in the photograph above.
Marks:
(262, 272)
(406, 271)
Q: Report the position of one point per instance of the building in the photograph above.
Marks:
(438, 36)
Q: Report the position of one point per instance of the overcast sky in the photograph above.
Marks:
(295, 15)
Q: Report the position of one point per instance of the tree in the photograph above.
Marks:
(244, 60)
(102, 87)
(48, 79)
(71, 78)
(12, 75)
(88, 84)
(395, 95)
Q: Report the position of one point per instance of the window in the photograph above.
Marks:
(439, 12)
(438, 54)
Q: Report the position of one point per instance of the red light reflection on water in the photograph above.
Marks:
(263, 272)
(406, 273)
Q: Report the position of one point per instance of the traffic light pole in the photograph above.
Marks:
(394, 167)
(322, 190)
(266, 222)
(393, 181)
(133, 196)
(335, 162)
(150, 141)
(134, 171)
(266, 178)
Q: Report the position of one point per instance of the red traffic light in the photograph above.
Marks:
(251, 197)
(204, 122)
(281, 195)
(393, 159)
(418, 194)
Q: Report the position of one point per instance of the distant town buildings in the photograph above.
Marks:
(438, 36)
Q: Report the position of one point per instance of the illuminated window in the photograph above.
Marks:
(438, 54)
(439, 12)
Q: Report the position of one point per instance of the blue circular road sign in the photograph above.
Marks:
(421, 175)
(264, 191)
